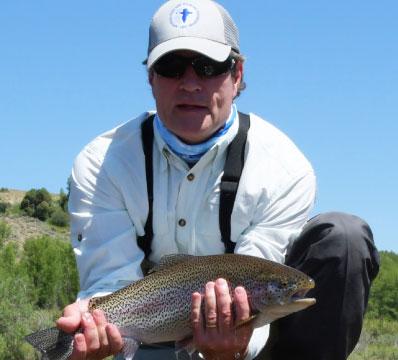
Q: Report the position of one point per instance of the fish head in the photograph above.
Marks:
(281, 292)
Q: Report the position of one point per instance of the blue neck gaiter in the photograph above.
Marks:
(192, 153)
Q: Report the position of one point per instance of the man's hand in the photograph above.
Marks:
(215, 333)
(98, 340)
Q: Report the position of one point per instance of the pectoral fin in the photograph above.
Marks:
(185, 345)
(130, 346)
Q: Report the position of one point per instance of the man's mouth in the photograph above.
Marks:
(191, 107)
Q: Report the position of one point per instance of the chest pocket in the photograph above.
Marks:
(208, 216)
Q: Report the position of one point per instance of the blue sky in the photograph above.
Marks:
(325, 72)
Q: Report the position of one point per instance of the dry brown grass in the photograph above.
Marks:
(12, 196)
(25, 227)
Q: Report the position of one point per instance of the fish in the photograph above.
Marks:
(157, 308)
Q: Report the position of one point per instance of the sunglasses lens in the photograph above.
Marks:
(170, 66)
(206, 67)
(174, 66)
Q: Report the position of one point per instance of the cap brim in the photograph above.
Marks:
(212, 49)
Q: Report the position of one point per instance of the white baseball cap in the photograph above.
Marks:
(202, 26)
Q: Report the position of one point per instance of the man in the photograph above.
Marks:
(195, 69)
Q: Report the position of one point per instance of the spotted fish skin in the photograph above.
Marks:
(157, 308)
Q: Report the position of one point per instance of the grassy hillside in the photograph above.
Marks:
(11, 196)
(22, 226)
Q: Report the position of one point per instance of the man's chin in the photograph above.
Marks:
(193, 136)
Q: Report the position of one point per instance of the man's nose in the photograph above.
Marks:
(190, 81)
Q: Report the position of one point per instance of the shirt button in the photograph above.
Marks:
(190, 177)
(182, 222)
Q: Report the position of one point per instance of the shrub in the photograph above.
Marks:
(15, 306)
(63, 200)
(43, 211)
(14, 209)
(37, 203)
(5, 231)
(50, 265)
(59, 218)
(4, 206)
(383, 301)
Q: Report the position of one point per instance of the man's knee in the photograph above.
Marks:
(337, 236)
(346, 227)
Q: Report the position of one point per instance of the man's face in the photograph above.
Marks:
(193, 107)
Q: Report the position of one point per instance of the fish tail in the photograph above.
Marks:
(53, 343)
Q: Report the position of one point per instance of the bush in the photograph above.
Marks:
(37, 203)
(5, 232)
(4, 206)
(15, 306)
(59, 218)
(50, 265)
(43, 211)
(383, 301)
(63, 200)
(44, 274)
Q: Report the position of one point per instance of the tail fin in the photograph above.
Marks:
(53, 343)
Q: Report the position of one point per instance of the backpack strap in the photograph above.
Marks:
(230, 180)
(228, 188)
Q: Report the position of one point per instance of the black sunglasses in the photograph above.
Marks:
(174, 66)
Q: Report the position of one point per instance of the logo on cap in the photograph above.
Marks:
(184, 15)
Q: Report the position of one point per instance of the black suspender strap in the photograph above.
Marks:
(230, 180)
(228, 188)
(145, 241)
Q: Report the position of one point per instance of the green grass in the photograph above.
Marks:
(14, 210)
(379, 341)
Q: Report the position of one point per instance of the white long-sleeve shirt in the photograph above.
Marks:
(108, 203)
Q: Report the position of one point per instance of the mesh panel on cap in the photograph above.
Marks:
(230, 28)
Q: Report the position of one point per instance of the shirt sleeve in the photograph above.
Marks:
(102, 233)
(278, 220)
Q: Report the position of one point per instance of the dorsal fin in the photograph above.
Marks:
(170, 260)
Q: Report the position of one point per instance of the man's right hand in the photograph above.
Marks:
(98, 339)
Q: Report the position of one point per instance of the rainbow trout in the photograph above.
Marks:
(157, 308)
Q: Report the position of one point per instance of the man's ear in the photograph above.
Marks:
(150, 76)
(238, 76)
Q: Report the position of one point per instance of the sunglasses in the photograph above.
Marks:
(174, 66)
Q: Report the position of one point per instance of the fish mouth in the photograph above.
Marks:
(301, 304)
(299, 295)
(299, 301)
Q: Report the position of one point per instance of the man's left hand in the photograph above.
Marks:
(216, 334)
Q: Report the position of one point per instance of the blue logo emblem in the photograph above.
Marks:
(184, 15)
(185, 12)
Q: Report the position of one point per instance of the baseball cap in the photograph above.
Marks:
(202, 26)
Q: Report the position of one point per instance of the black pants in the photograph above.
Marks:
(338, 252)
